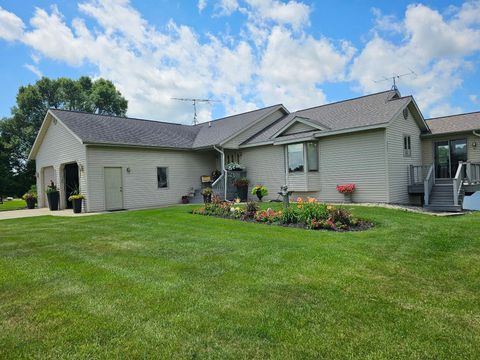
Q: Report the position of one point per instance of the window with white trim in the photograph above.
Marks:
(407, 146)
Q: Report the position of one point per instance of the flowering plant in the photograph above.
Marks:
(242, 182)
(268, 215)
(233, 166)
(346, 188)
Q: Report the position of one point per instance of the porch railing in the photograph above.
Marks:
(428, 184)
(417, 174)
(473, 172)
(458, 183)
(219, 186)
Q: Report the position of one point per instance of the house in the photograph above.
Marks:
(380, 142)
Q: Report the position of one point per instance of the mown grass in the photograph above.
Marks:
(167, 284)
(15, 204)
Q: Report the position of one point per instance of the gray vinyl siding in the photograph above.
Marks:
(59, 147)
(351, 158)
(247, 134)
(354, 158)
(397, 163)
(140, 188)
(473, 153)
(298, 127)
(265, 165)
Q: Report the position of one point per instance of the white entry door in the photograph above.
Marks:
(113, 188)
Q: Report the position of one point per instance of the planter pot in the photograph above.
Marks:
(348, 197)
(53, 200)
(185, 200)
(207, 199)
(259, 195)
(77, 206)
(30, 203)
(242, 193)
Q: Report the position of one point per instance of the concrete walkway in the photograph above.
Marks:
(25, 213)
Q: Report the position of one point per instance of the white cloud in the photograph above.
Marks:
(33, 69)
(445, 110)
(11, 26)
(434, 47)
(474, 99)
(292, 13)
(227, 7)
(292, 68)
(202, 4)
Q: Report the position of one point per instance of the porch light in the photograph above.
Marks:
(129, 170)
(474, 144)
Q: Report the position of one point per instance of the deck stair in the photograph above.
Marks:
(441, 198)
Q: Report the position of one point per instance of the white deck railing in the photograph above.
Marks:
(417, 174)
(473, 172)
(428, 184)
(458, 183)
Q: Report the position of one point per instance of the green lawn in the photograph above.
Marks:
(14, 204)
(167, 284)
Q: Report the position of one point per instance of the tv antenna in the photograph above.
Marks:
(195, 101)
(394, 78)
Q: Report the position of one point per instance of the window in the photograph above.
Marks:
(295, 158)
(162, 177)
(407, 146)
(312, 156)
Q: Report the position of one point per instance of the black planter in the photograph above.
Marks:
(77, 206)
(207, 198)
(242, 193)
(259, 195)
(30, 203)
(53, 200)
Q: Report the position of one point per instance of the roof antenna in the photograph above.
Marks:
(195, 101)
(394, 78)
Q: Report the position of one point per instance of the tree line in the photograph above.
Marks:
(19, 130)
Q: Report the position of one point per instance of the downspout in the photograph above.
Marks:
(224, 172)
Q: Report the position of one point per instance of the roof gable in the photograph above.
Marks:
(298, 124)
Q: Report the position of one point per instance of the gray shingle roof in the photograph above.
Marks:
(221, 129)
(102, 129)
(367, 110)
(454, 123)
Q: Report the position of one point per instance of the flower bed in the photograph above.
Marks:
(308, 214)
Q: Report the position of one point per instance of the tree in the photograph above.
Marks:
(18, 132)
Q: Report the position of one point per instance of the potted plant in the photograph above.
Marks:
(242, 188)
(53, 196)
(207, 195)
(233, 166)
(260, 191)
(215, 175)
(185, 199)
(30, 197)
(76, 198)
(347, 190)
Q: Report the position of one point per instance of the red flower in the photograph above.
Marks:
(346, 188)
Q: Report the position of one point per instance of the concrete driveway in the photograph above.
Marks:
(24, 213)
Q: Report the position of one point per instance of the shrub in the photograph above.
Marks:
(251, 209)
(311, 210)
(290, 215)
(339, 215)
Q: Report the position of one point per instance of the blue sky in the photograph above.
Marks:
(246, 54)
